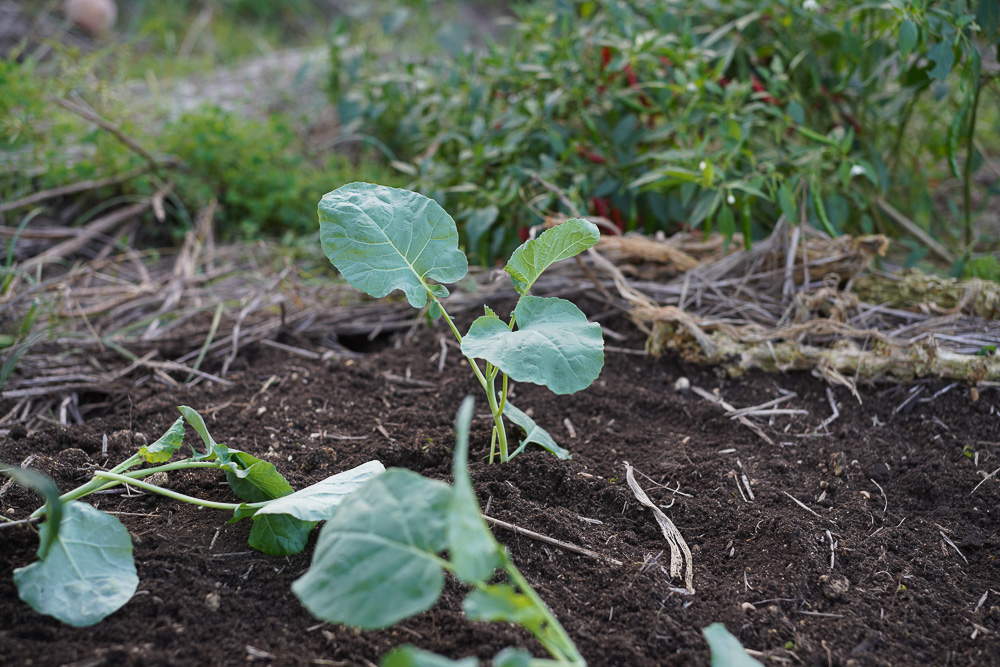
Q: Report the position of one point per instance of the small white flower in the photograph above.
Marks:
(858, 170)
(810, 5)
(702, 165)
(730, 200)
(691, 88)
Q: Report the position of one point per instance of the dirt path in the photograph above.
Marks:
(885, 484)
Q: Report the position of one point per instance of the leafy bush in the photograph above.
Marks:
(659, 115)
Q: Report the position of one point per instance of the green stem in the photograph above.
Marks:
(967, 172)
(483, 380)
(172, 494)
(501, 432)
(559, 645)
(92, 485)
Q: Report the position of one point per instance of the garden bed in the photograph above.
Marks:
(911, 578)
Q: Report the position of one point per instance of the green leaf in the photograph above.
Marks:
(955, 135)
(726, 222)
(383, 239)
(279, 534)
(535, 433)
(726, 649)
(478, 223)
(907, 37)
(500, 602)
(988, 17)
(254, 480)
(47, 489)
(410, 656)
(87, 574)
(560, 242)
(198, 424)
(318, 501)
(553, 345)
(943, 56)
(168, 443)
(474, 552)
(786, 202)
(376, 559)
(512, 657)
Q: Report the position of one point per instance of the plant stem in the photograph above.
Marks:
(91, 486)
(173, 494)
(146, 472)
(967, 171)
(559, 643)
(501, 432)
(496, 409)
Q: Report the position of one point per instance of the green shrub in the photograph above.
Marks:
(660, 115)
(256, 169)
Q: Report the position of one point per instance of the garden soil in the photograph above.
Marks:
(864, 542)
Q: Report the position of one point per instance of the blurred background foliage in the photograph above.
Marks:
(657, 115)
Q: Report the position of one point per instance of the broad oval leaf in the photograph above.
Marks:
(376, 559)
(560, 242)
(553, 345)
(318, 501)
(513, 657)
(168, 443)
(408, 655)
(87, 574)
(535, 434)
(726, 649)
(383, 239)
(255, 480)
(279, 534)
(474, 552)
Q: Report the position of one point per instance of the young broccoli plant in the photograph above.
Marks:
(85, 570)
(378, 561)
(383, 239)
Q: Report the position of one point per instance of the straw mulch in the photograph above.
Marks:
(88, 321)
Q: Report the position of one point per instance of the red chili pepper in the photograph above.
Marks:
(523, 233)
(618, 218)
(601, 206)
(593, 156)
(605, 57)
(758, 87)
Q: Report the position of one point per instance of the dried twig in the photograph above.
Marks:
(566, 546)
(712, 398)
(680, 554)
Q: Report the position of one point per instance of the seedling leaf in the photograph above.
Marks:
(382, 239)
(317, 502)
(198, 424)
(726, 649)
(500, 602)
(410, 656)
(48, 490)
(512, 657)
(553, 345)
(168, 443)
(279, 534)
(473, 550)
(254, 480)
(560, 242)
(535, 433)
(376, 559)
(87, 574)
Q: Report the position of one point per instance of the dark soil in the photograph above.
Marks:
(886, 485)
